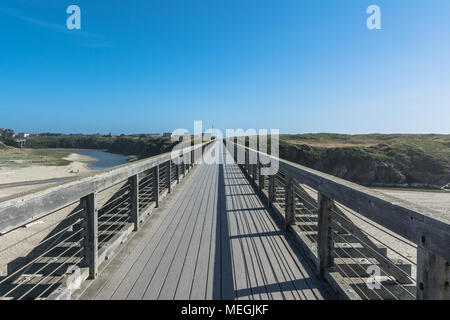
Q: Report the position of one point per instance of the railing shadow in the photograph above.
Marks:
(223, 287)
(37, 274)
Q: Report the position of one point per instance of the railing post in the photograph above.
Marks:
(177, 172)
(433, 275)
(168, 176)
(156, 185)
(183, 169)
(325, 243)
(134, 195)
(246, 161)
(260, 178)
(289, 205)
(90, 234)
(271, 189)
(254, 176)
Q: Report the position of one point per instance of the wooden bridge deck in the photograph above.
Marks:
(212, 239)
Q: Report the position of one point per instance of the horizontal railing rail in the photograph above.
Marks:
(52, 240)
(20, 211)
(345, 226)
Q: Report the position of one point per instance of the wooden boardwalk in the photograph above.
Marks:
(212, 239)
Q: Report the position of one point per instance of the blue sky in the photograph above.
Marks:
(154, 66)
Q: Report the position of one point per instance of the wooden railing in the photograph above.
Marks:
(366, 244)
(52, 240)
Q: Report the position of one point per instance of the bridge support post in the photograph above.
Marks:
(433, 275)
(183, 169)
(177, 172)
(90, 234)
(260, 178)
(169, 176)
(246, 165)
(254, 175)
(156, 185)
(271, 190)
(289, 206)
(325, 243)
(134, 195)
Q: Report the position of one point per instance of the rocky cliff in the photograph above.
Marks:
(376, 165)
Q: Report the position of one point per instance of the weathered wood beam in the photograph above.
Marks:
(433, 276)
(169, 175)
(134, 194)
(90, 233)
(156, 185)
(289, 204)
(325, 243)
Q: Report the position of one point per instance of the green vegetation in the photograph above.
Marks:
(416, 160)
(18, 158)
(3, 146)
(35, 152)
(141, 146)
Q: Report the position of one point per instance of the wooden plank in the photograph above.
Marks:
(193, 259)
(275, 275)
(213, 285)
(280, 254)
(204, 262)
(157, 226)
(256, 274)
(169, 243)
(304, 277)
(226, 267)
(239, 248)
(268, 274)
(167, 284)
(136, 268)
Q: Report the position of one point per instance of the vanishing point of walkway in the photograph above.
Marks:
(212, 238)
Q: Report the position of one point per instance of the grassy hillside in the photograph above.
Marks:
(17, 158)
(374, 159)
(127, 145)
(3, 146)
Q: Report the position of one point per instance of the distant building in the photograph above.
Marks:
(6, 133)
(167, 134)
(22, 135)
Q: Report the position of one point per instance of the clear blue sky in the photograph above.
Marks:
(153, 66)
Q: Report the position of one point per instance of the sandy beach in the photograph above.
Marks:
(434, 199)
(77, 168)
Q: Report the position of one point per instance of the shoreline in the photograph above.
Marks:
(78, 166)
(19, 180)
